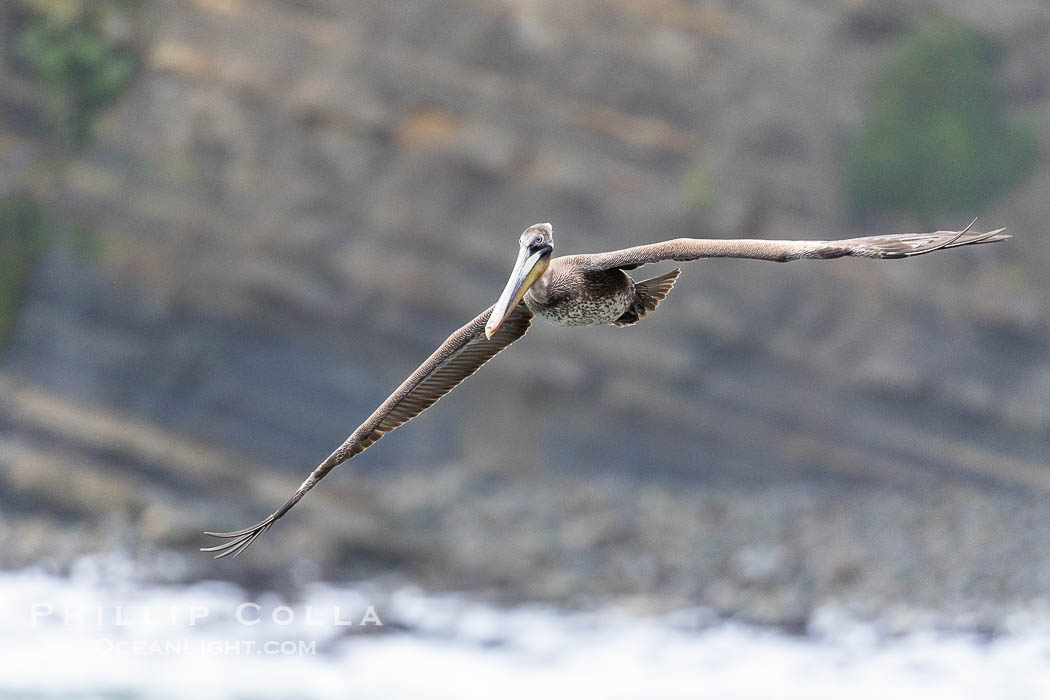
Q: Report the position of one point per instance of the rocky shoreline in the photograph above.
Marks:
(961, 556)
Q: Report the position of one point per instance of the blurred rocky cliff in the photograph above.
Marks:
(294, 201)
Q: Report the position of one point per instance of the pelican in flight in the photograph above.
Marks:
(576, 290)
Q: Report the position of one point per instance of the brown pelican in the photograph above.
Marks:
(577, 290)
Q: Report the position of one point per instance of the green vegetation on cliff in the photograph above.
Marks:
(81, 72)
(936, 139)
(81, 69)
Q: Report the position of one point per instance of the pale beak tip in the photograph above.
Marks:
(489, 332)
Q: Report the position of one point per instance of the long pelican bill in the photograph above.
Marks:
(527, 269)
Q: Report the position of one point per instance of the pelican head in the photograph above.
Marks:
(534, 252)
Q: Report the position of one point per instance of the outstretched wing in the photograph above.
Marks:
(460, 356)
(902, 245)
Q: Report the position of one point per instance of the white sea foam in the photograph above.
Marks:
(99, 632)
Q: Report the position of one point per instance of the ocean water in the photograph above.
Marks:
(101, 633)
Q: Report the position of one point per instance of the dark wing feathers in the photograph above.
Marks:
(460, 356)
(652, 291)
(647, 296)
(903, 245)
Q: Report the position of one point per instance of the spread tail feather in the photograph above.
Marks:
(647, 296)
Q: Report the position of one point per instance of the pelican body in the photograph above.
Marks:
(577, 290)
(569, 296)
(568, 291)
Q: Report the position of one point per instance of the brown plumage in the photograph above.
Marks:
(576, 290)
